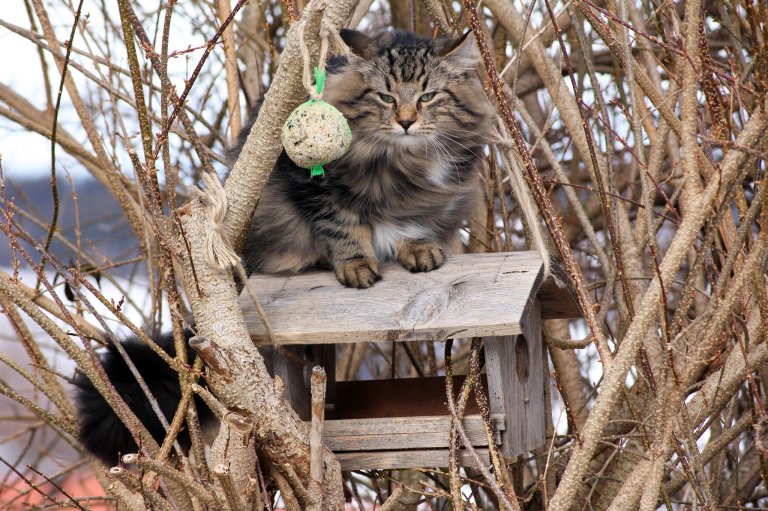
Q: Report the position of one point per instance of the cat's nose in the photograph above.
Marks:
(406, 124)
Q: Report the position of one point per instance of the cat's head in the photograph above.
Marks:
(397, 88)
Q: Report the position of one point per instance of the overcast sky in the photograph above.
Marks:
(26, 154)
(23, 153)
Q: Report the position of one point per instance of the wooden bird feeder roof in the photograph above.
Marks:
(471, 295)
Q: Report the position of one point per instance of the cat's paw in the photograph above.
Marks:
(421, 256)
(359, 273)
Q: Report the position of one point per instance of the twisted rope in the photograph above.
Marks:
(329, 39)
(218, 251)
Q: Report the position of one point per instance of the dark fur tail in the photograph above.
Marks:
(101, 432)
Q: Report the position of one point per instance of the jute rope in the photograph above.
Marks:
(329, 39)
(218, 251)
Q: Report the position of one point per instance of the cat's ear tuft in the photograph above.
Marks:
(359, 43)
(461, 50)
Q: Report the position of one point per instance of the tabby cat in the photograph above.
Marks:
(419, 119)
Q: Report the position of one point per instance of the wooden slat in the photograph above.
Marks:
(471, 295)
(516, 385)
(405, 459)
(402, 433)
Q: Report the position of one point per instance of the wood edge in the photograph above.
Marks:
(408, 459)
(498, 420)
(558, 283)
(531, 298)
(393, 335)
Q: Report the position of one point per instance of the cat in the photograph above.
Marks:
(419, 119)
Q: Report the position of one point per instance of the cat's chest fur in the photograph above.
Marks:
(400, 185)
(406, 196)
(387, 237)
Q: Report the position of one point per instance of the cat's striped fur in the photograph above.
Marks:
(419, 118)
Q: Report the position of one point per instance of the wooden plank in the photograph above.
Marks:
(471, 295)
(403, 433)
(401, 397)
(532, 419)
(516, 385)
(405, 459)
(293, 365)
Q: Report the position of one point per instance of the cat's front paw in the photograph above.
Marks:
(417, 257)
(359, 273)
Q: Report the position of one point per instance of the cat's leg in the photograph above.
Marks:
(352, 255)
(418, 256)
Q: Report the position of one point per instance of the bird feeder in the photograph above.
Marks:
(404, 422)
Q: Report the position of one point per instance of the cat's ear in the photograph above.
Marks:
(360, 44)
(461, 50)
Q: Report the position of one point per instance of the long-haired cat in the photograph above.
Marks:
(419, 119)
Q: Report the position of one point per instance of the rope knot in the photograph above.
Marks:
(218, 251)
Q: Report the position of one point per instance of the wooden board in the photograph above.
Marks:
(399, 433)
(516, 385)
(557, 295)
(470, 295)
(410, 442)
(416, 458)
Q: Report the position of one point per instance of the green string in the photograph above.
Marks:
(319, 79)
(318, 170)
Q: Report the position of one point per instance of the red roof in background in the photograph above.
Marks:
(81, 484)
(20, 497)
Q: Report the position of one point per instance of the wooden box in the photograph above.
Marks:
(404, 423)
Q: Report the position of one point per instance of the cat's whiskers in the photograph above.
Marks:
(442, 155)
(457, 141)
(450, 160)
(462, 133)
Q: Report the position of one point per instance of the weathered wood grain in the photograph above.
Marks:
(409, 426)
(471, 295)
(402, 442)
(516, 385)
(370, 437)
(405, 459)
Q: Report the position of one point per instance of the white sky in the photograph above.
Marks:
(23, 153)
(27, 154)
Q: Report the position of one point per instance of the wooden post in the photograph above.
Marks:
(293, 365)
(516, 384)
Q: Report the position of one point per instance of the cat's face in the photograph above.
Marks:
(400, 89)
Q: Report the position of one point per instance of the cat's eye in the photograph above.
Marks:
(427, 97)
(386, 98)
